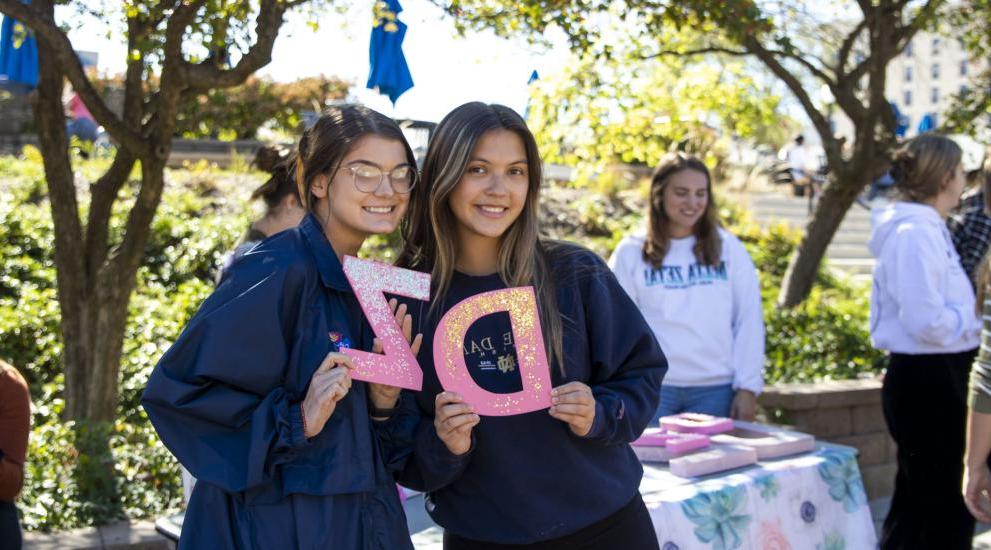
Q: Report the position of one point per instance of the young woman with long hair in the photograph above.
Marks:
(558, 478)
(697, 287)
(255, 399)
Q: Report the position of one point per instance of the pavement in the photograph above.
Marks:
(141, 535)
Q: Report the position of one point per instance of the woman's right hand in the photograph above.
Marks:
(454, 421)
(329, 384)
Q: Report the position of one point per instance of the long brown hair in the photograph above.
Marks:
(325, 144)
(430, 229)
(708, 244)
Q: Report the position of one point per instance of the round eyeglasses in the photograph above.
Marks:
(367, 177)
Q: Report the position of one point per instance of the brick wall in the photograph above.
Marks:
(847, 412)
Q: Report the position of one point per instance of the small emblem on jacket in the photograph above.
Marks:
(339, 340)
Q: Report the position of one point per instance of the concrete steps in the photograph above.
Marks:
(847, 251)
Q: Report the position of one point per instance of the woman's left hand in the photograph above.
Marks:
(574, 404)
(383, 396)
(744, 406)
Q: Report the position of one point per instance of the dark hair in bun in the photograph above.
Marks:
(277, 161)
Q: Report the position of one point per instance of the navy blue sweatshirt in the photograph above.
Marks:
(528, 478)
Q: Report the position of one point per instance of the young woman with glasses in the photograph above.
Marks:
(255, 399)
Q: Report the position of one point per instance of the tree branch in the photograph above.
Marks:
(829, 142)
(103, 194)
(206, 75)
(904, 33)
(697, 51)
(46, 29)
(847, 46)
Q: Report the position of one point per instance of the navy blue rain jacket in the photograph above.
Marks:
(225, 399)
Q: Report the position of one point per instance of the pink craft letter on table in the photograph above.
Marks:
(397, 367)
(449, 360)
(697, 423)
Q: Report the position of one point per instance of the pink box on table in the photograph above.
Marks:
(717, 458)
(658, 445)
(696, 423)
(768, 441)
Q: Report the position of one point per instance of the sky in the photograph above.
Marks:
(447, 70)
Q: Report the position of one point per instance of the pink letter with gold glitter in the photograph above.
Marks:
(449, 359)
(397, 367)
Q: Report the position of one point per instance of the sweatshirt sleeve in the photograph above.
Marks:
(921, 269)
(210, 397)
(747, 322)
(623, 263)
(980, 375)
(433, 466)
(396, 434)
(15, 425)
(627, 363)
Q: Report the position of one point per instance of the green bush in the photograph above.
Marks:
(203, 213)
(824, 338)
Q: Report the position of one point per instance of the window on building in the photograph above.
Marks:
(908, 74)
(935, 95)
(935, 49)
(935, 70)
(963, 68)
(908, 97)
(963, 89)
(908, 50)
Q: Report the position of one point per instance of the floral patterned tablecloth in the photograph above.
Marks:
(810, 501)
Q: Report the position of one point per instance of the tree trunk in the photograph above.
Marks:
(836, 200)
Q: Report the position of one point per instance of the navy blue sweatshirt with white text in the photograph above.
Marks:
(528, 478)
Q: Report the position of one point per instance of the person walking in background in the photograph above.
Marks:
(797, 158)
(922, 313)
(698, 290)
(81, 123)
(970, 225)
(15, 425)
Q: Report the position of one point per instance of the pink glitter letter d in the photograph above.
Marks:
(449, 359)
(397, 367)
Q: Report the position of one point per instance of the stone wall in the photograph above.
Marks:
(16, 115)
(846, 412)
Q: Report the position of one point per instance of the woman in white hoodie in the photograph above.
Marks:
(922, 313)
(697, 288)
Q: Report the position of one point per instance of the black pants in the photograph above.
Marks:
(10, 527)
(924, 401)
(628, 529)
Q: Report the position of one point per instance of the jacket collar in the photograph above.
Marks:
(331, 272)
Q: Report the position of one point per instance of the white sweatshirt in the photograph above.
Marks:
(708, 319)
(921, 300)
